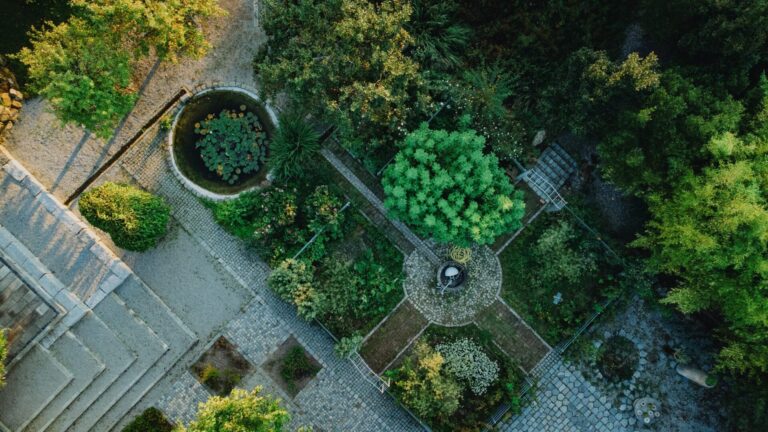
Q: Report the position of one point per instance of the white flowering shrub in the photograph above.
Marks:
(467, 362)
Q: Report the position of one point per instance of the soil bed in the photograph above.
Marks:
(221, 367)
(274, 366)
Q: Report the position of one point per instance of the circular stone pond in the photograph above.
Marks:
(186, 158)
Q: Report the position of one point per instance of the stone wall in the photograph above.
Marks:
(10, 99)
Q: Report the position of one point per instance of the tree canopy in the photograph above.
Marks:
(345, 61)
(443, 185)
(85, 65)
(241, 411)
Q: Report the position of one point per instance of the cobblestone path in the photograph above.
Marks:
(566, 402)
(338, 398)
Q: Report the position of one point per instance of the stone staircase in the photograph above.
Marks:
(114, 338)
(552, 170)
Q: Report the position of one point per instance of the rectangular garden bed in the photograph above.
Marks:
(393, 335)
(556, 274)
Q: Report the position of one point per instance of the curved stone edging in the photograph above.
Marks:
(189, 184)
(453, 310)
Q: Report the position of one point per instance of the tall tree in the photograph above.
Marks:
(84, 74)
(712, 233)
(345, 61)
(241, 411)
(442, 184)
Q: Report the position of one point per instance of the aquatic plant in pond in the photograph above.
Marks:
(232, 144)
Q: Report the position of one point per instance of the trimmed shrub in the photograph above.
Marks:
(151, 420)
(296, 366)
(232, 144)
(294, 147)
(466, 361)
(240, 411)
(134, 219)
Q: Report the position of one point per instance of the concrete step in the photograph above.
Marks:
(111, 351)
(142, 340)
(30, 386)
(180, 339)
(85, 367)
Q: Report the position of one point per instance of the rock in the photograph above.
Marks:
(15, 94)
(16, 104)
(5, 99)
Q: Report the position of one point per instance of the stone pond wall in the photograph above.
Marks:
(10, 99)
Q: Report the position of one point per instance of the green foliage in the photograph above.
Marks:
(232, 143)
(170, 28)
(293, 281)
(3, 355)
(443, 186)
(723, 39)
(134, 219)
(295, 366)
(241, 411)
(294, 147)
(83, 74)
(439, 40)
(345, 61)
(150, 420)
(710, 234)
(347, 346)
(85, 66)
(553, 256)
(423, 384)
(276, 223)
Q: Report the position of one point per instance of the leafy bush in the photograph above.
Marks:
(294, 147)
(240, 411)
(273, 220)
(233, 144)
(151, 420)
(466, 361)
(295, 366)
(443, 185)
(84, 75)
(348, 345)
(293, 281)
(134, 219)
(3, 355)
(439, 40)
(423, 384)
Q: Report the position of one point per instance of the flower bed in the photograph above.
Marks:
(455, 377)
(348, 277)
(555, 275)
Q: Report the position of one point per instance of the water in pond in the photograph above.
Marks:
(188, 157)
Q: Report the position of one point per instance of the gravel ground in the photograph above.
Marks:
(483, 285)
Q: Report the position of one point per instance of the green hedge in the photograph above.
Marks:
(136, 220)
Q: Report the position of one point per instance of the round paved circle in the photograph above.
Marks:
(483, 286)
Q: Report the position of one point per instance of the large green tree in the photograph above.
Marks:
(443, 185)
(84, 66)
(345, 61)
(83, 73)
(241, 411)
(712, 233)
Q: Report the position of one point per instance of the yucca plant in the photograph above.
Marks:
(295, 145)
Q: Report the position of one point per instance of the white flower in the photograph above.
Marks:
(465, 360)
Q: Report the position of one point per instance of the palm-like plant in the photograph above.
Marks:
(294, 146)
(438, 39)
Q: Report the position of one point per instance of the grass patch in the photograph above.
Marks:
(394, 334)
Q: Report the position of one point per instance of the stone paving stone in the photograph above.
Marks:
(339, 398)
